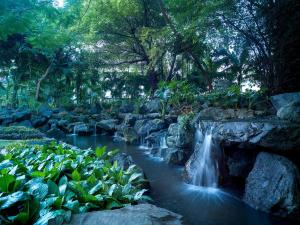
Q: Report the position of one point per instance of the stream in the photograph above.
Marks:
(197, 205)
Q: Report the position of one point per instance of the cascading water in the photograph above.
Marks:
(204, 165)
(74, 131)
(144, 144)
(95, 130)
(163, 143)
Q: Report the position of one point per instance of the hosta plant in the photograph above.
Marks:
(39, 184)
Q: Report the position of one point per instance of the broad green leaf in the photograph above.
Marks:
(37, 188)
(100, 151)
(63, 183)
(5, 182)
(139, 194)
(76, 175)
(10, 200)
(57, 216)
(134, 177)
(38, 174)
(52, 188)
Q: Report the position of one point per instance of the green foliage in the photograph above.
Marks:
(19, 132)
(185, 121)
(179, 93)
(50, 182)
(233, 97)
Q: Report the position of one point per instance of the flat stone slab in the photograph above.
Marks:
(143, 214)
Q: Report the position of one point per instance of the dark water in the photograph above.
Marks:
(197, 205)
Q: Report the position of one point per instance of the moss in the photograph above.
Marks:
(19, 133)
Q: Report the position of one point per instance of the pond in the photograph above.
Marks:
(197, 205)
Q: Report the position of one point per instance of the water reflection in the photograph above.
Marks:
(198, 205)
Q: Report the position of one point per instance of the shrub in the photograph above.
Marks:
(178, 94)
(43, 183)
(19, 132)
(233, 97)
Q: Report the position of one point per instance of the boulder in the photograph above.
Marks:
(153, 106)
(142, 214)
(145, 127)
(274, 135)
(290, 112)
(157, 139)
(45, 111)
(95, 109)
(215, 113)
(273, 186)
(126, 107)
(282, 100)
(84, 130)
(52, 122)
(175, 156)
(240, 162)
(109, 125)
(38, 121)
(56, 133)
(124, 160)
(6, 120)
(130, 119)
(130, 135)
(19, 116)
(63, 125)
(25, 123)
(179, 137)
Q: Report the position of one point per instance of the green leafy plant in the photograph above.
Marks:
(180, 94)
(50, 182)
(233, 97)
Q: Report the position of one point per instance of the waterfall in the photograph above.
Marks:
(162, 146)
(95, 130)
(144, 144)
(163, 143)
(205, 166)
(74, 130)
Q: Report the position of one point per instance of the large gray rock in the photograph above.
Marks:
(156, 139)
(215, 113)
(124, 160)
(126, 134)
(38, 121)
(45, 111)
(153, 106)
(290, 111)
(240, 162)
(179, 137)
(143, 214)
(145, 127)
(6, 120)
(126, 107)
(109, 125)
(83, 130)
(25, 123)
(56, 133)
(276, 136)
(282, 100)
(273, 185)
(19, 116)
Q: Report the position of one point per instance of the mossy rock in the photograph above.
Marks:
(19, 133)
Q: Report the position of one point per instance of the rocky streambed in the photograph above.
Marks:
(257, 154)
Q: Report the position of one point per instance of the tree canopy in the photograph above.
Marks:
(85, 51)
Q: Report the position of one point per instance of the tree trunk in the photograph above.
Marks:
(38, 86)
(170, 75)
(188, 50)
(14, 100)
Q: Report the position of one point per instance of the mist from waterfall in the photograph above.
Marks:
(205, 167)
